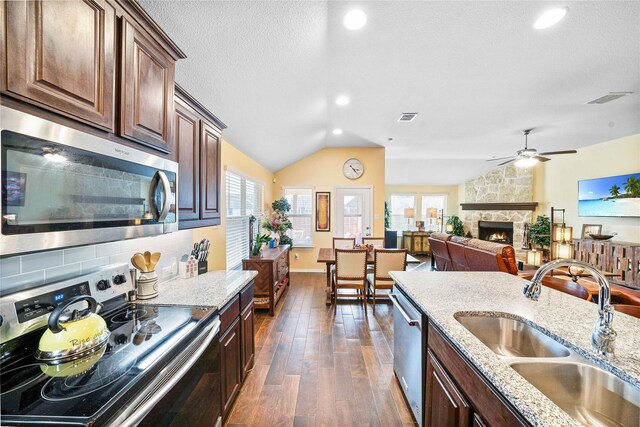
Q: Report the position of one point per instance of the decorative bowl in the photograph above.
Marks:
(601, 236)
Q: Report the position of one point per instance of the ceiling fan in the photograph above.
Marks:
(529, 156)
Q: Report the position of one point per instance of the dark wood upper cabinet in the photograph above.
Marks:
(210, 173)
(196, 146)
(186, 151)
(61, 56)
(147, 89)
(445, 404)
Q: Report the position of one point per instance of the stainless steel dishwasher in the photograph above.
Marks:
(409, 347)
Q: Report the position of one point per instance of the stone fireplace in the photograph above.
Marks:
(503, 195)
(496, 231)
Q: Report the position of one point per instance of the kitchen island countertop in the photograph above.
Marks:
(564, 317)
(212, 289)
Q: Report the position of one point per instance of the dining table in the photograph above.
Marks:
(328, 256)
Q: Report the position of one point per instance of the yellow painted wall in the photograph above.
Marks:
(239, 162)
(323, 171)
(451, 191)
(556, 183)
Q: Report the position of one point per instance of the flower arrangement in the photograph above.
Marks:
(277, 221)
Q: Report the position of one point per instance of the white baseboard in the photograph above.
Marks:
(308, 270)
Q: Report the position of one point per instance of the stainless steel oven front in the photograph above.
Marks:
(62, 187)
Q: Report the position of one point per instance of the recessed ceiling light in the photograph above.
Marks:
(355, 19)
(337, 131)
(550, 17)
(342, 100)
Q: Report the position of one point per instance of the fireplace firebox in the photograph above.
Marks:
(496, 231)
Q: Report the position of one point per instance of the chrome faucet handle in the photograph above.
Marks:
(603, 336)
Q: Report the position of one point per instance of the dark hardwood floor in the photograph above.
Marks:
(319, 365)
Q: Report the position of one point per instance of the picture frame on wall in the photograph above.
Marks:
(589, 229)
(323, 211)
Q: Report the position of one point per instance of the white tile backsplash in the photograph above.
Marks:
(41, 261)
(45, 267)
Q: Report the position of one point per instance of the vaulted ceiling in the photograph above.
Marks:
(476, 72)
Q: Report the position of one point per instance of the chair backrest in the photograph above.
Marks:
(344, 242)
(508, 254)
(456, 252)
(377, 242)
(386, 260)
(351, 264)
(439, 251)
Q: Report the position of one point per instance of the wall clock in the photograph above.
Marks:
(353, 169)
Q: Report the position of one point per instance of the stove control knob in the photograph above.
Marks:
(103, 285)
(119, 279)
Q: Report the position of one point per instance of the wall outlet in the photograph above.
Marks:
(296, 256)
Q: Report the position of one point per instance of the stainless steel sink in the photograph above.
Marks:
(590, 395)
(512, 338)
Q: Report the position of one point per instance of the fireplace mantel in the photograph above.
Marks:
(507, 206)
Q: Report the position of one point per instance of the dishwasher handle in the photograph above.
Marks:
(410, 321)
(142, 411)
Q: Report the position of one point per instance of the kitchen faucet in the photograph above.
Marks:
(603, 336)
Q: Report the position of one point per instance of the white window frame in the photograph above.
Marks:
(412, 226)
(311, 215)
(235, 263)
(442, 211)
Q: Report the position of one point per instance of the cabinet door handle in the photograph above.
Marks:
(410, 321)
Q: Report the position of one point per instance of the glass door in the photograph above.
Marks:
(353, 212)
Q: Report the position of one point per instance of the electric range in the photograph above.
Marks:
(149, 347)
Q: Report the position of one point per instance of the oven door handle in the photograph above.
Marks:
(144, 409)
(160, 178)
(410, 321)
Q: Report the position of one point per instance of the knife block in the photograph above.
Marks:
(203, 267)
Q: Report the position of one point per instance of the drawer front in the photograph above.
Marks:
(229, 313)
(246, 296)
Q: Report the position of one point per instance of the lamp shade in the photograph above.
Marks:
(563, 250)
(563, 234)
(409, 212)
(534, 258)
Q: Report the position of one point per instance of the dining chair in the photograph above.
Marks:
(385, 260)
(377, 242)
(351, 273)
(344, 242)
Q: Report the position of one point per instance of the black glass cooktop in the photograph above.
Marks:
(143, 339)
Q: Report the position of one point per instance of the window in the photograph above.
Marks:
(432, 207)
(301, 215)
(244, 198)
(400, 202)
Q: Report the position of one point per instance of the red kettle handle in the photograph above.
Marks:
(54, 318)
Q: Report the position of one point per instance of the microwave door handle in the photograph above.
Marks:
(161, 178)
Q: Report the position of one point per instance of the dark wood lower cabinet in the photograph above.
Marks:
(457, 394)
(248, 343)
(231, 366)
(445, 406)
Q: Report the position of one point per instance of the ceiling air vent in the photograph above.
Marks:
(407, 117)
(608, 98)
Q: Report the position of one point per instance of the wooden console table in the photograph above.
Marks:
(417, 242)
(273, 276)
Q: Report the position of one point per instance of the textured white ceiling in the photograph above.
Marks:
(476, 72)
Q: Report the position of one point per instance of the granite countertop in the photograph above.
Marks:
(564, 317)
(212, 289)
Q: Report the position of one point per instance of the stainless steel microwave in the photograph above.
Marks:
(62, 187)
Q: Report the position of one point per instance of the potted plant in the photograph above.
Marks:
(277, 221)
(540, 233)
(260, 240)
(455, 226)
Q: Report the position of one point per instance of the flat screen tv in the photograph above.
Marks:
(610, 196)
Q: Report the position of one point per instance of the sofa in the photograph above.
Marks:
(454, 253)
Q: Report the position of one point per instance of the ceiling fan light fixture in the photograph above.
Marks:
(526, 162)
(337, 131)
(550, 18)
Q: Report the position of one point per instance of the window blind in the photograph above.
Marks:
(301, 200)
(244, 198)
